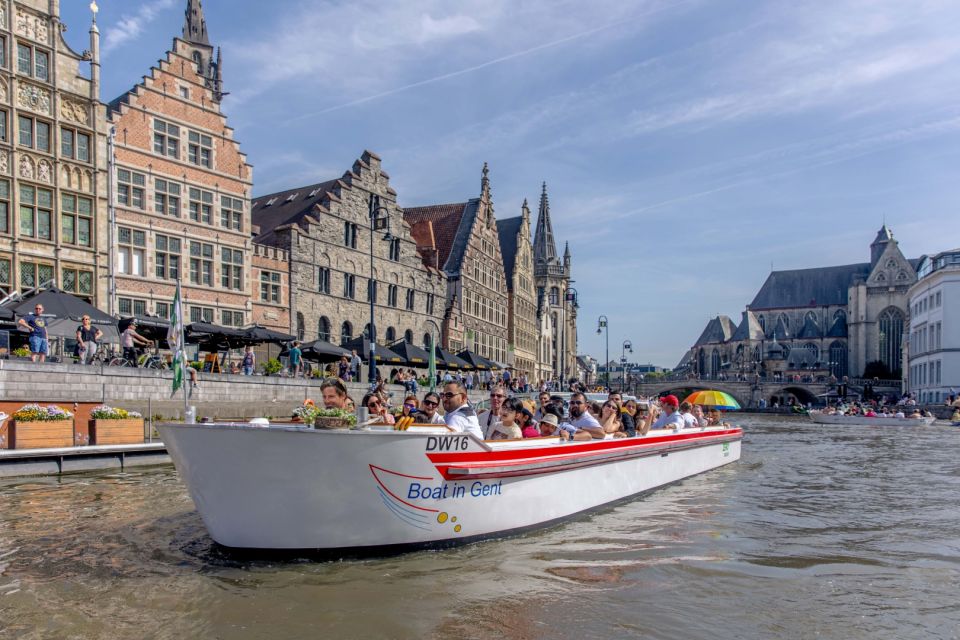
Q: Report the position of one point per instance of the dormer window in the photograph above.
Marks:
(881, 277)
(891, 264)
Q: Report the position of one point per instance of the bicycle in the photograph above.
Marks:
(152, 360)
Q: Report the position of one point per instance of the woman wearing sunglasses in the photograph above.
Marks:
(377, 409)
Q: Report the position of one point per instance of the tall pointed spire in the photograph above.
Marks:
(544, 246)
(194, 25)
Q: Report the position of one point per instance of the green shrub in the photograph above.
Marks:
(22, 352)
(271, 367)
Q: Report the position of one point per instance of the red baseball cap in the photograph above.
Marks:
(671, 400)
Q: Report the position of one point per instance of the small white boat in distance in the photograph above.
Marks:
(376, 490)
(836, 418)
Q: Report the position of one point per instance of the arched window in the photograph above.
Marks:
(701, 362)
(408, 336)
(715, 362)
(881, 277)
(427, 342)
(366, 330)
(346, 333)
(785, 319)
(840, 314)
(810, 315)
(323, 328)
(391, 334)
(812, 355)
(890, 324)
(198, 61)
(838, 359)
(301, 327)
(756, 354)
(554, 296)
(762, 321)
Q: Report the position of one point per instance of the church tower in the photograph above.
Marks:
(195, 34)
(552, 277)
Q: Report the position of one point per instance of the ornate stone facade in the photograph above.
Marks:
(517, 252)
(52, 166)
(325, 228)
(182, 191)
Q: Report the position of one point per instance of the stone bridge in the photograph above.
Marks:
(748, 394)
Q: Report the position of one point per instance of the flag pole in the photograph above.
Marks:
(182, 345)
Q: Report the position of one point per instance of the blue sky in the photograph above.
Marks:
(688, 146)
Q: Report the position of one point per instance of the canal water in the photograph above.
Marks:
(818, 532)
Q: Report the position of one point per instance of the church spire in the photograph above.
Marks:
(194, 25)
(544, 246)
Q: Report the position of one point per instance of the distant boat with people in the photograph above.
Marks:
(385, 489)
(876, 421)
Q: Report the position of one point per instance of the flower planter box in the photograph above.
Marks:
(127, 431)
(41, 435)
(324, 422)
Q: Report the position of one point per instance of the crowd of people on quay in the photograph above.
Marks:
(510, 416)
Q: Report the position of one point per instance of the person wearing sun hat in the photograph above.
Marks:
(669, 417)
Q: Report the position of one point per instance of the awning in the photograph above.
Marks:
(446, 360)
(258, 334)
(322, 351)
(478, 361)
(382, 353)
(63, 312)
(413, 355)
(213, 337)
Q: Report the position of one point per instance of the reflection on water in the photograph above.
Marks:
(839, 532)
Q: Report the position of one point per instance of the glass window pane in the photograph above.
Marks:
(42, 65)
(24, 59)
(68, 229)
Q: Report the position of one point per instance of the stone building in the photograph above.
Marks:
(517, 252)
(934, 330)
(821, 321)
(468, 252)
(270, 281)
(182, 189)
(557, 302)
(52, 155)
(325, 229)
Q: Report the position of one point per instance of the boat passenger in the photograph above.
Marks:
(428, 409)
(583, 421)
(334, 393)
(667, 417)
(610, 419)
(689, 420)
(410, 406)
(507, 427)
(698, 414)
(549, 426)
(377, 409)
(617, 397)
(460, 416)
(956, 416)
(593, 408)
(899, 414)
(490, 419)
(527, 424)
(628, 416)
(543, 399)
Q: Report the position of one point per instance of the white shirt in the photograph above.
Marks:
(464, 420)
(488, 423)
(586, 420)
(690, 421)
(436, 418)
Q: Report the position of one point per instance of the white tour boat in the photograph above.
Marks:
(878, 421)
(377, 490)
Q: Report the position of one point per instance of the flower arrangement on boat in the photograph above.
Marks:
(38, 413)
(104, 412)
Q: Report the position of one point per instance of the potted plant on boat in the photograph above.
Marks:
(325, 418)
(39, 427)
(111, 425)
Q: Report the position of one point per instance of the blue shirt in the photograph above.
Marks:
(295, 356)
(38, 325)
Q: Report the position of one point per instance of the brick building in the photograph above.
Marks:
(325, 228)
(52, 155)
(270, 280)
(182, 190)
(468, 252)
(522, 331)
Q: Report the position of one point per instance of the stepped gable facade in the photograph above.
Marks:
(468, 253)
(325, 230)
(557, 303)
(517, 252)
(53, 187)
(182, 190)
(825, 321)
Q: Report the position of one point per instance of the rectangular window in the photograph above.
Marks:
(36, 212)
(411, 299)
(395, 249)
(350, 235)
(349, 281)
(231, 318)
(166, 139)
(5, 207)
(162, 309)
(67, 146)
(200, 149)
(371, 290)
(166, 197)
(76, 219)
(392, 295)
(74, 144)
(938, 293)
(323, 279)
(33, 62)
(231, 213)
(269, 286)
(167, 257)
(24, 59)
(201, 314)
(33, 275)
(6, 270)
(201, 206)
(25, 128)
(3, 52)
(130, 188)
(231, 268)
(3, 125)
(43, 136)
(131, 251)
(76, 280)
(201, 263)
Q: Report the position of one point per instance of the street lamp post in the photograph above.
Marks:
(601, 326)
(374, 206)
(627, 346)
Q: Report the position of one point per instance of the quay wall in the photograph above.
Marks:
(149, 391)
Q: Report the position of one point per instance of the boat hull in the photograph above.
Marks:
(821, 418)
(303, 489)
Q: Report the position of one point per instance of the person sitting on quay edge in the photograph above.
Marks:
(428, 409)
(87, 338)
(334, 393)
(585, 423)
(489, 420)
(667, 417)
(37, 324)
(507, 428)
(377, 408)
(129, 339)
(460, 416)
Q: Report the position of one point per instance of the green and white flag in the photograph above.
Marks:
(175, 339)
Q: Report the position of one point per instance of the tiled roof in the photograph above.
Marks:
(809, 287)
(719, 329)
(839, 328)
(446, 219)
(810, 329)
(508, 229)
(749, 328)
(285, 207)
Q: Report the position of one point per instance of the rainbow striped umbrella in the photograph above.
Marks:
(711, 398)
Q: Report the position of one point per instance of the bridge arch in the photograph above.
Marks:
(782, 396)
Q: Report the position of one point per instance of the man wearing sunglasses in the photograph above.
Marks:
(37, 324)
(581, 419)
(460, 415)
(428, 409)
(490, 419)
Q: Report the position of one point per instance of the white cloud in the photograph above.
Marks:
(129, 27)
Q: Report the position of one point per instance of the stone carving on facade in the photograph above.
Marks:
(74, 111)
(27, 169)
(4, 162)
(3, 16)
(44, 171)
(32, 26)
(4, 91)
(34, 98)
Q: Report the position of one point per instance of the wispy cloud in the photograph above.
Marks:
(130, 26)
